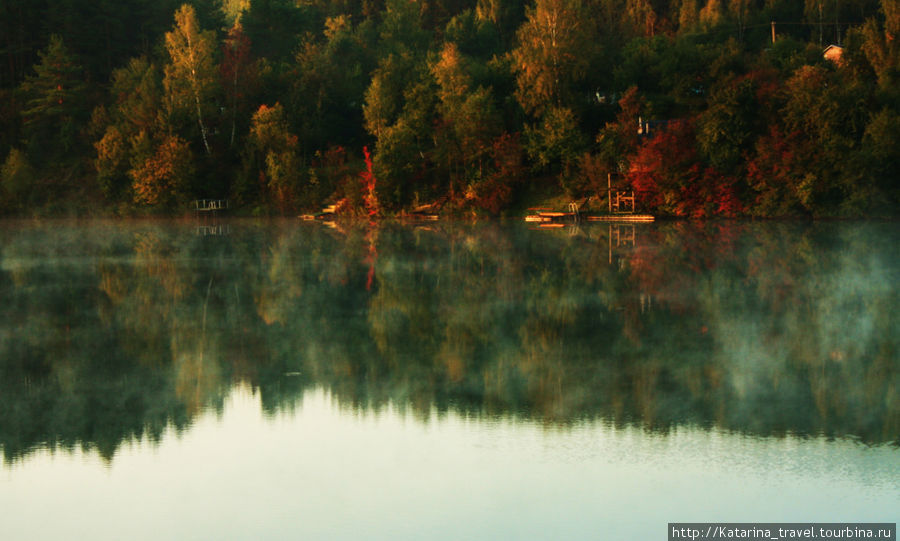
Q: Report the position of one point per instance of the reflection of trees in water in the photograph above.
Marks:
(113, 333)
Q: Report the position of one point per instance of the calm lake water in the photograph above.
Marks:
(288, 380)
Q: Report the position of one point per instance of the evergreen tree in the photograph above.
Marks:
(55, 102)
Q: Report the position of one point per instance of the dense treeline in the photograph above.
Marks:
(281, 106)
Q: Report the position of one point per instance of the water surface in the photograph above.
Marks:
(246, 380)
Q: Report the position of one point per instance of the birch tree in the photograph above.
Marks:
(238, 73)
(191, 76)
(740, 11)
(551, 54)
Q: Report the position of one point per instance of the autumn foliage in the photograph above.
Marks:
(163, 178)
(370, 197)
(668, 176)
(470, 107)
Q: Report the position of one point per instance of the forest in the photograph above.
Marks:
(705, 108)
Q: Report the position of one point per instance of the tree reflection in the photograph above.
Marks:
(115, 332)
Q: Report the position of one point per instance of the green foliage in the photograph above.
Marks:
(728, 127)
(328, 86)
(828, 114)
(401, 30)
(434, 86)
(112, 162)
(149, 337)
(54, 102)
(396, 164)
(555, 139)
(137, 92)
(275, 156)
(16, 181)
(881, 146)
(274, 28)
(384, 96)
(473, 35)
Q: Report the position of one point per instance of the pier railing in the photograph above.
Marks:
(206, 205)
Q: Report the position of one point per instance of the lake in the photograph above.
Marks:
(244, 379)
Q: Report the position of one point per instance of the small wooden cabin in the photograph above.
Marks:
(834, 53)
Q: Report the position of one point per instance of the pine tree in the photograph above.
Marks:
(55, 103)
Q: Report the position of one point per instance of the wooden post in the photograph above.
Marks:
(609, 237)
(773, 32)
(609, 190)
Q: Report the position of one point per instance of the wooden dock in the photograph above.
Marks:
(621, 205)
(621, 218)
(210, 205)
(546, 217)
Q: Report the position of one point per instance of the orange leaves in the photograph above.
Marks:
(163, 177)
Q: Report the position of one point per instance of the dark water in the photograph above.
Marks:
(247, 380)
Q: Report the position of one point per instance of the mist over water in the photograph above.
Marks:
(763, 355)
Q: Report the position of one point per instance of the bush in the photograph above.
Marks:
(16, 181)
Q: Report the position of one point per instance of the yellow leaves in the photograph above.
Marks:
(276, 147)
(891, 9)
(380, 106)
(269, 129)
(188, 45)
(111, 152)
(192, 75)
(550, 55)
(711, 14)
(688, 14)
(16, 176)
(450, 74)
(337, 25)
(642, 17)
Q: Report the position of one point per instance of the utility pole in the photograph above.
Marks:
(837, 26)
(821, 25)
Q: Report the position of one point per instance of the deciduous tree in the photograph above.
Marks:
(191, 76)
(163, 179)
(239, 76)
(550, 56)
(274, 153)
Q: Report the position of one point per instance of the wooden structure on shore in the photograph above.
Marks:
(210, 205)
(620, 204)
(621, 218)
(620, 201)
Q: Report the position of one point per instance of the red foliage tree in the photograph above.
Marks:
(668, 176)
(774, 174)
(495, 192)
(370, 198)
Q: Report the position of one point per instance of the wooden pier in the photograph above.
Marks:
(210, 205)
(620, 203)
(621, 218)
